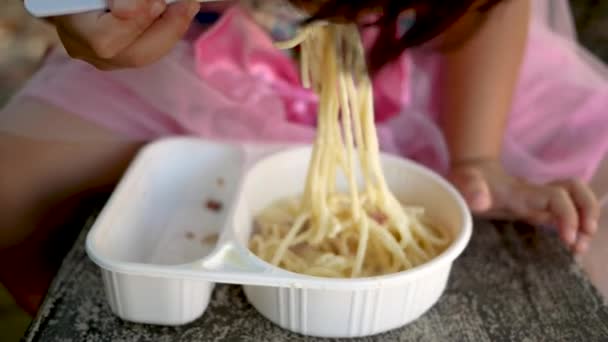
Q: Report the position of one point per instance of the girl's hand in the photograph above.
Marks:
(568, 205)
(132, 33)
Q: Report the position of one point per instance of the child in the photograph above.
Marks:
(73, 129)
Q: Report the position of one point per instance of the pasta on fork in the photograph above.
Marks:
(360, 231)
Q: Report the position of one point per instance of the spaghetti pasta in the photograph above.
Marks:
(363, 231)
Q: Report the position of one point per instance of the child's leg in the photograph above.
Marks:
(557, 131)
(40, 184)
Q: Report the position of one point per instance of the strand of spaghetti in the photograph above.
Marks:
(304, 62)
(323, 272)
(392, 206)
(385, 196)
(313, 170)
(348, 136)
(372, 141)
(335, 148)
(312, 182)
(391, 244)
(362, 248)
(326, 112)
(303, 237)
(366, 107)
(295, 229)
(294, 262)
(354, 104)
(382, 257)
(257, 245)
(327, 158)
(336, 139)
(300, 37)
(426, 234)
(371, 183)
(346, 106)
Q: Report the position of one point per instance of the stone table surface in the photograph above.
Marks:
(512, 283)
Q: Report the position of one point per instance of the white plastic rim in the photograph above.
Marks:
(152, 275)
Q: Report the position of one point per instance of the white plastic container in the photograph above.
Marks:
(156, 272)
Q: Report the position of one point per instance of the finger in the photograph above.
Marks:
(497, 214)
(582, 244)
(535, 198)
(127, 9)
(71, 45)
(108, 35)
(564, 211)
(162, 36)
(586, 203)
(539, 218)
(474, 188)
(77, 50)
(518, 199)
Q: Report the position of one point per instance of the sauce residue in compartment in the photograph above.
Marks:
(210, 239)
(214, 205)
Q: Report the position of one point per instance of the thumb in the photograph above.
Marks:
(473, 187)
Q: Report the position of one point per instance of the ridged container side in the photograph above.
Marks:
(155, 300)
(346, 313)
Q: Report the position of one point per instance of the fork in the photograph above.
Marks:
(50, 8)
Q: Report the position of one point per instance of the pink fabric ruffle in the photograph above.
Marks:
(232, 84)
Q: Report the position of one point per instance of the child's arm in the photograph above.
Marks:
(478, 84)
(478, 80)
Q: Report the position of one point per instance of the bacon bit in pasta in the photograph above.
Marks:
(379, 217)
(210, 239)
(214, 205)
(257, 227)
(189, 235)
(298, 248)
(302, 249)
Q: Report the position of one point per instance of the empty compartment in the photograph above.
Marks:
(167, 211)
(171, 205)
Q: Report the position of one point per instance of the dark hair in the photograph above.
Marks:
(432, 17)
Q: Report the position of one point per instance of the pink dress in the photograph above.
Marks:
(230, 83)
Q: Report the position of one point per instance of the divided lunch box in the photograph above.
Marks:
(180, 219)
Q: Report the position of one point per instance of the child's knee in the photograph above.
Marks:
(23, 192)
(14, 196)
(37, 177)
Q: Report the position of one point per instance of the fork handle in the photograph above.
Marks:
(51, 8)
